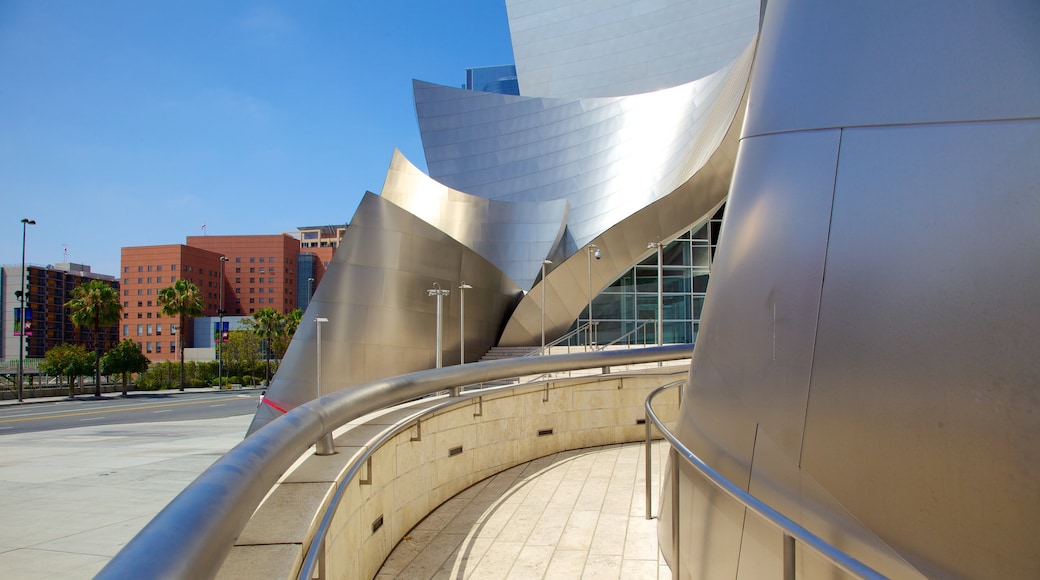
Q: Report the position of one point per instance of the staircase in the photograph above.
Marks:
(502, 352)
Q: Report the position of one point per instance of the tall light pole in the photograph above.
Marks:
(660, 290)
(21, 333)
(324, 446)
(593, 250)
(440, 293)
(544, 264)
(463, 286)
(220, 327)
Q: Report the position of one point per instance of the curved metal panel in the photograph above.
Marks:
(588, 48)
(570, 284)
(887, 402)
(881, 63)
(513, 236)
(381, 320)
(608, 157)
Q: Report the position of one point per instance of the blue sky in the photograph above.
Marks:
(127, 123)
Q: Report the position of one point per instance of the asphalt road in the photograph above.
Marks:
(115, 410)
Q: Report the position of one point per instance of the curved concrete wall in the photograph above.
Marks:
(866, 361)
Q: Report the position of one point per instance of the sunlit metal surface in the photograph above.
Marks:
(192, 536)
(589, 48)
(514, 236)
(867, 355)
(381, 320)
(608, 157)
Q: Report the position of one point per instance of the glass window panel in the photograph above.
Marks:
(676, 254)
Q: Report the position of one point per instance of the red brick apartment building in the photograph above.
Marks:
(260, 273)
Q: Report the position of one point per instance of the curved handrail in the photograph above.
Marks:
(789, 527)
(193, 534)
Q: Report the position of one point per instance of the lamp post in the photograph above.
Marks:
(593, 250)
(310, 284)
(660, 293)
(324, 446)
(463, 286)
(440, 293)
(220, 327)
(544, 264)
(21, 334)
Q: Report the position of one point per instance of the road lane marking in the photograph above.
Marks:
(92, 419)
(163, 411)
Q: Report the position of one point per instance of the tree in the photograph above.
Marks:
(266, 323)
(124, 359)
(67, 360)
(292, 322)
(95, 304)
(241, 352)
(182, 299)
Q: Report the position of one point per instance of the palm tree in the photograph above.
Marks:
(95, 304)
(182, 299)
(266, 324)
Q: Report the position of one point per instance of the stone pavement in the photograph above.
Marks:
(576, 514)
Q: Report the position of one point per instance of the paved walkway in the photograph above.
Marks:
(73, 497)
(577, 514)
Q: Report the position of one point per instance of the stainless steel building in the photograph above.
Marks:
(866, 357)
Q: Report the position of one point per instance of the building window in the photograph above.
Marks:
(126, 269)
(126, 330)
(140, 269)
(158, 280)
(251, 259)
(238, 261)
(148, 347)
(270, 280)
(139, 303)
(140, 280)
(149, 291)
(149, 279)
(149, 304)
(238, 270)
(252, 280)
(173, 346)
(158, 268)
(148, 330)
(126, 305)
(238, 290)
(140, 292)
(173, 278)
(252, 270)
(272, 259)
(173, 267)
(149, 268)
(158, 330)
(140, 330)
(126, 292)
(158, 347)
(261, 267)
(149, 315)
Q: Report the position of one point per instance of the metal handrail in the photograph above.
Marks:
(791, 529)
(641, 325)
(193, 534)
(541, 350)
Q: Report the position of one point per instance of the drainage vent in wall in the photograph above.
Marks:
(544, 432)
(377, 524)
(640, 421)
(455, 451)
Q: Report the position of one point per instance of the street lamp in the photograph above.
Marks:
(21, 333)
(440, 293)
(324, 446)
(544, 264)
(660, 294)
(593, 250)
(220, 327)
(310, 284)
(463, 286)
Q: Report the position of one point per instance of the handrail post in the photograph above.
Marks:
(649, 514)
(789, 561)
(674, 455)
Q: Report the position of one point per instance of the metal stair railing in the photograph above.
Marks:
(792, 531)
(193, 534)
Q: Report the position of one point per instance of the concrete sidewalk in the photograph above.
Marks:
(72, 498)
(119, 394)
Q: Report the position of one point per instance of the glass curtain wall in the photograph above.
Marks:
(631, 300)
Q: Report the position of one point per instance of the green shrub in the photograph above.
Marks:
(235, 380)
